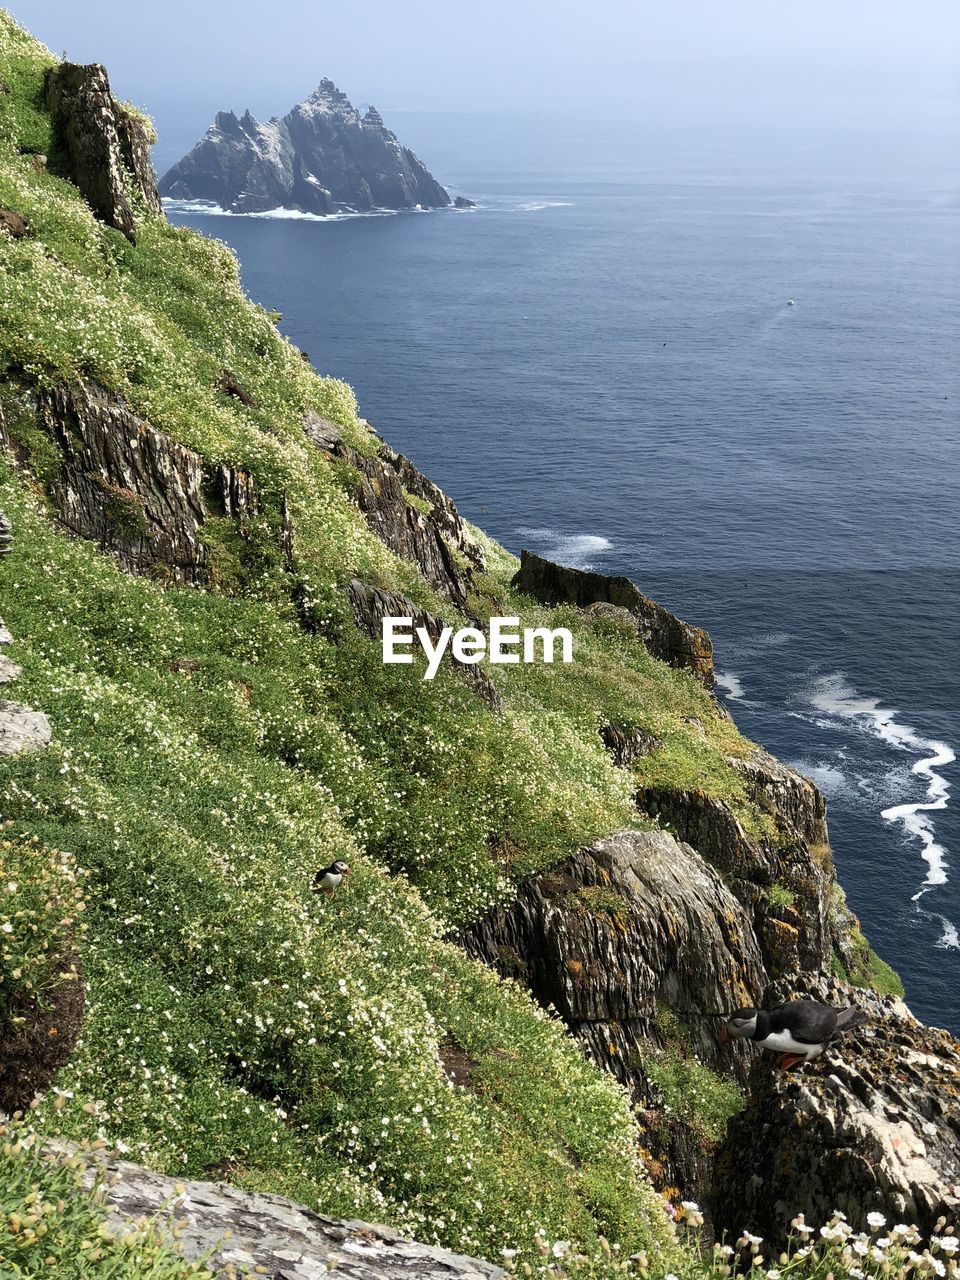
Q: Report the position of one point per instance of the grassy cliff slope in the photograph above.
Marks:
(210, 752)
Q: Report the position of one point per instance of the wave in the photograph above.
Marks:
(535, 206)
(832, 696)
(730, 683)
(578, 550)
(833, 782)
(209, 208)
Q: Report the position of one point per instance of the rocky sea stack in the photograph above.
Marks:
(322, 157)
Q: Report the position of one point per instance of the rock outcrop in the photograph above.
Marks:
(620, 939)
(636, 921)
(13, 225)
(627, 745)
(873, 1125)
(321, 157)
(247, 1233)
(416, 520)
(666, 636)
(20, 728)
(442, 509)
(786, 879)
(371, 605)
(130, 488)
(105, 146)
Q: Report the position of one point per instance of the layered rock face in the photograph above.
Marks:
(785, 881)
(408, 512)
(873, 1125)
(635, 921)
(130, 488)
(321, 157)
(637, 926)
(665, 635)
(105, 145)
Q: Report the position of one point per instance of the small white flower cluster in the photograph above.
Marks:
(836, 1249)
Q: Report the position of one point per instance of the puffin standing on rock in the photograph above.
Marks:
(328, 879)
(798, 1031)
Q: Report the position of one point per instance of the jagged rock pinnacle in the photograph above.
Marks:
(321, 157)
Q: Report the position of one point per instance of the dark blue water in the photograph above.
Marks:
(608, 369)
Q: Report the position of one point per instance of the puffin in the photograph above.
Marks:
(328, 879)
(798, 1030)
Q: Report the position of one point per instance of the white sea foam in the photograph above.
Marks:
(950, 940)
(833, 782)
(536, 206)
(579, 550)
(832, 696)
(209, 208)
(730, 683)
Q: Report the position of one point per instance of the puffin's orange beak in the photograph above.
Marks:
(346, 871)
(724, 1035)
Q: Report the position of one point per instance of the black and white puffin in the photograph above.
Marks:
(328, 879)
(798, 1031)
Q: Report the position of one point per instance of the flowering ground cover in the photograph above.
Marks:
(210, 752)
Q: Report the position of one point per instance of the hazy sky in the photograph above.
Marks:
(884, 64)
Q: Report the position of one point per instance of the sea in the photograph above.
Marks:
(726, 367)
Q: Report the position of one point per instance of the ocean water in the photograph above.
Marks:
(734, 379)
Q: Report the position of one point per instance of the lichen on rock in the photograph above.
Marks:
(872, 1126)
(103, 143)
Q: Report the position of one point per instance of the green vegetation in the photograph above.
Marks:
(40, 900)
(833, 1251)
(418, 504)
(211, 752)
(861, 966)
(778, 895)
(597, 900)
(53, 1222)
(693, 1093)
(231, 1014)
